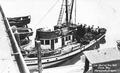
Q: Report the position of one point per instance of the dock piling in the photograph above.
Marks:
(38, 47)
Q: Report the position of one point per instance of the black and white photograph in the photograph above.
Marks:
(59, 36)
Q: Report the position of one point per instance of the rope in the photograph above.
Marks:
(49, 10)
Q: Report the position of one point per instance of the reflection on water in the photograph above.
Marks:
(74, 59)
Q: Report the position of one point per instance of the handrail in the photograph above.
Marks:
(19, 58)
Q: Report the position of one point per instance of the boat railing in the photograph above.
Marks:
(51, 52)
(75, 47)
(59, 52)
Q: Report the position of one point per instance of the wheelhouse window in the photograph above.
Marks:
(42, 42)
(47, 42)
(69, 37)
(66, 38)
(56, 40)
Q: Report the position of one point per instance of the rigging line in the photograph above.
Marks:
(48, 11)
(75, 10)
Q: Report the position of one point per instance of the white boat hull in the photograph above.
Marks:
(58, 59)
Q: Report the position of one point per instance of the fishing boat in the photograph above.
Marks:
(65, 41)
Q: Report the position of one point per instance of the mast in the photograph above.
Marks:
(66, 2)
(71, 11)
(75, 10)
(68, 12)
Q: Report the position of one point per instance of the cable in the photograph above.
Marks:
(49, 11)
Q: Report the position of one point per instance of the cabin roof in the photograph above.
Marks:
(41, 34)
(46, 34)
(103, 55)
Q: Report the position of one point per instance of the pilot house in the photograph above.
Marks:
(54, 39)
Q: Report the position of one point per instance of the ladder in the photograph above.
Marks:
(61, 14)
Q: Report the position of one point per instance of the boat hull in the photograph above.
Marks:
(51, 61)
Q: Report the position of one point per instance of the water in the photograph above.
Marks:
(103, 13)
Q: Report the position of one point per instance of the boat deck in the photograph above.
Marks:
(7, 61)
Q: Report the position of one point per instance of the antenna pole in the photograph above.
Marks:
(75, 10)
(66, 12)
(71, 11)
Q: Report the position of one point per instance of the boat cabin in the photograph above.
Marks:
(54, 39)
